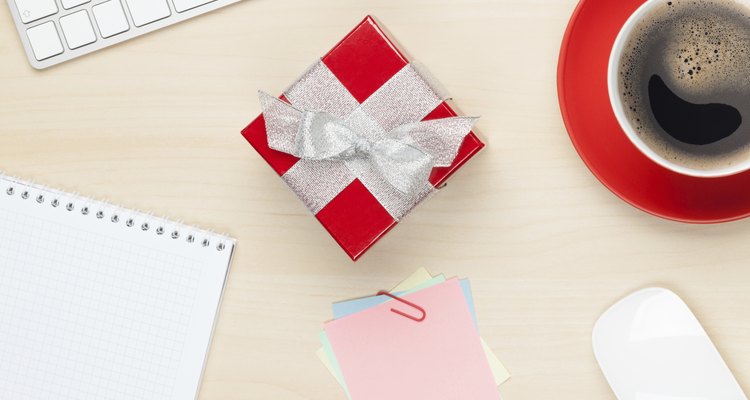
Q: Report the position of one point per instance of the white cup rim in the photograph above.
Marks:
(613, 85)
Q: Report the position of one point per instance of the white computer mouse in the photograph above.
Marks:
(650, 346)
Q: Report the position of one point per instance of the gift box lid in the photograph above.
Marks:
(363, 61)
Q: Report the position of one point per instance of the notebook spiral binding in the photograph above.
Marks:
(107, 212)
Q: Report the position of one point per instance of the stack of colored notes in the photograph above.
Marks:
(419, 340)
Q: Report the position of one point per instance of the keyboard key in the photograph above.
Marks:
(68, 4)
(44, 40)
(77, 29)
(32, 10)
(110, 18)
(184, 5)
(145, 12)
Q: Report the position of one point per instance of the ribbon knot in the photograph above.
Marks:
(363, 146)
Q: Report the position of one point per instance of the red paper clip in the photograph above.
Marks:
(408, 303)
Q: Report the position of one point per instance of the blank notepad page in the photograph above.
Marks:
(99, 302)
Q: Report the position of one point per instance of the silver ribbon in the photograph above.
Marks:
(382, 142)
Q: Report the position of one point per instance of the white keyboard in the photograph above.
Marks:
(54, 31)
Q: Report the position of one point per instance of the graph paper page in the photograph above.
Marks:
(97, 302)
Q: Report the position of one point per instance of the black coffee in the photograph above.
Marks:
(685, 82)
(696, 124)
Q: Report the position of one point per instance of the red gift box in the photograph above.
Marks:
(363, 62)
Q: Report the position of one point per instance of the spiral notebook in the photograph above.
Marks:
(101, 302)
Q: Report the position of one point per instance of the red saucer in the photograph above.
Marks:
(604, 147)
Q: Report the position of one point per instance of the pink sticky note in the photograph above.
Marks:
(385, 356)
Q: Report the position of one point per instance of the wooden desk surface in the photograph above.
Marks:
(154, 124)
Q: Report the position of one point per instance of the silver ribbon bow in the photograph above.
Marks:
(396, 156)
(381, 141)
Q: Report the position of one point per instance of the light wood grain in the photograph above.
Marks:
(154, 124)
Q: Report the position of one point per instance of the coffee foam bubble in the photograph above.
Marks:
(701, 49)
